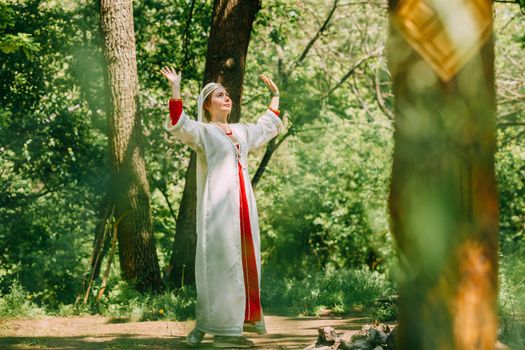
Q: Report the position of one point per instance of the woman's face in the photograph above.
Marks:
(220, 101)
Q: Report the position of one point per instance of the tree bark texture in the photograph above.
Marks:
(443, 200)
(231, 27)
(232, 23)
(129, 186)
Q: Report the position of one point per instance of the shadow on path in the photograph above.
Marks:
(96, 332)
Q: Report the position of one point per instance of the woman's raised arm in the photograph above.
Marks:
(178, 123)
(269, 124)
(274, 102)
(174, 79)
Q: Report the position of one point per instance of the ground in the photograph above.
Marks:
(97, 332)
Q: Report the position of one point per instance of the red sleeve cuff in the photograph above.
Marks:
(175, 106)
(276, 111)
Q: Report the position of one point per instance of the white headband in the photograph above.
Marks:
(207, 90)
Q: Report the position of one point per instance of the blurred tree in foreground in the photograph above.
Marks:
(443, 197)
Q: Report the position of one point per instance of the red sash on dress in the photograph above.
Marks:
(252, 312)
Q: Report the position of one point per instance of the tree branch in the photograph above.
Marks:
(312, 41)
(351, 71)
(379, 96)
(186, 41)
(510, 124)
(165, 195)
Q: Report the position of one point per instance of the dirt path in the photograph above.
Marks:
(96, 332)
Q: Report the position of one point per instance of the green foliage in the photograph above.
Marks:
(340, 290)
(44, 245)
(522, 4)
(385, 310)
(168, 33)
(512, 286)
(510, 170)
(322, 199)
(510, 157)
(125, 302)
(327, 207)
(52, 159)
(511, 298)
(18, 302)
(11, 42)
(122, 303)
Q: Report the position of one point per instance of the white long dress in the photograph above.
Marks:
(221, 299)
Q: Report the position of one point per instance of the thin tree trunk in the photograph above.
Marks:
(443, 199)
(100, 244)
(268, 153)
(129, 186)
(232, 22)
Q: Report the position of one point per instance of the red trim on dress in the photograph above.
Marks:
(276, 111)
(175, 106)
(252, 312)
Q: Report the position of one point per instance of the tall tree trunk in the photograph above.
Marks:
(232, 22)
(129, 189)
(443, 197)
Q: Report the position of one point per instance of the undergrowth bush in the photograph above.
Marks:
(18, 303)
(341, 291)
(124, 301)
(511, 300)
(120, 302)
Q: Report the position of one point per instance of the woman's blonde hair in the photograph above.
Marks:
(207, 101)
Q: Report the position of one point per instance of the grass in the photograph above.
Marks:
(341, 291)
(19, 303)
(511, 300)
(122, 302)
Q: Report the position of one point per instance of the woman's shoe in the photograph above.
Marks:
(195, 337)
(251, 328)
(232, 342)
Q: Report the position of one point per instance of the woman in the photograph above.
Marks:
(228, 259)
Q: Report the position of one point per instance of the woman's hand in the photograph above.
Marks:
(274, 103)
(172, 76)
(269, 82)
(174, 79)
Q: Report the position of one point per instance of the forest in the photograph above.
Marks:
(381, 177)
